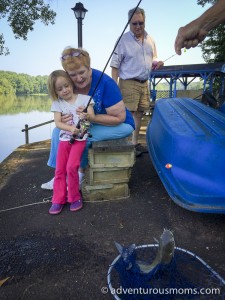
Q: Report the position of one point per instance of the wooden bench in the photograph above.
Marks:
(109, 171)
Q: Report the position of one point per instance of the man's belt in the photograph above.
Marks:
(138, 80)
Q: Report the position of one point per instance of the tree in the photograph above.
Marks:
(21, 16)
(22, 84)
(5, 87)
(213, 47)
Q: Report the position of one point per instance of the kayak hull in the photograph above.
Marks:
(186, 142)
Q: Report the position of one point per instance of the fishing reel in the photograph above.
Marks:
(83, 126)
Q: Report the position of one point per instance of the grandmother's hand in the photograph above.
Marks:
(84, 116)
(80, 109)
(74, 130)
(66, 118)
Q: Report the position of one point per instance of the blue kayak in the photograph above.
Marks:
(186, 142)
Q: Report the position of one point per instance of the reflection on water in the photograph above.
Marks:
(15, 112)
(13, 104)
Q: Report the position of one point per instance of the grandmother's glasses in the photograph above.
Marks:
(73, 54)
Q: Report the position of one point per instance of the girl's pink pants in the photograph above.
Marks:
(66, 173)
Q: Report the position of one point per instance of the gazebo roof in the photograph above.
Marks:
(188, 73)
(189, 70)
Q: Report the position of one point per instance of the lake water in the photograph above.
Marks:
(15, 112)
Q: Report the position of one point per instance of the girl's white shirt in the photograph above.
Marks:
(64, 108)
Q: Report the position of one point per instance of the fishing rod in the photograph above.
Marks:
(170, 57)
(97, 84)
(173, 55)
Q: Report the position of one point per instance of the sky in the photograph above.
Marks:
(104, 22)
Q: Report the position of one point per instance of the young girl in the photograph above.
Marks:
(66, 182)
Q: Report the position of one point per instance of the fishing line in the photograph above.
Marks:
(44, 201)
(97, 84)
(48, 200)
(112, 53)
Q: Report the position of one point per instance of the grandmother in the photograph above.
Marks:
(111, 121)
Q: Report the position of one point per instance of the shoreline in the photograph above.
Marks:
(12, 162)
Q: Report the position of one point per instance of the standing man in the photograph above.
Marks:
(133, 59)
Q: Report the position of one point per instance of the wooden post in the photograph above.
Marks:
(26, 129)
(26, 134)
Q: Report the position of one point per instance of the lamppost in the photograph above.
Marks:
(79, 12)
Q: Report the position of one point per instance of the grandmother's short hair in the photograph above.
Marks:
(70, 62)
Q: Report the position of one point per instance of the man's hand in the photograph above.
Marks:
(189, 36)
(157, 65)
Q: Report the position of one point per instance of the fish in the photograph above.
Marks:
(164, 256)
(128, 254)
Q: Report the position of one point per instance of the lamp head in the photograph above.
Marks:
(79, 11)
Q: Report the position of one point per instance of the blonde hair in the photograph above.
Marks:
(70, 62)
(52, 80)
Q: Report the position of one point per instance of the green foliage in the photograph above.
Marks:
(204, 2)
(12, 83)
(164, 86)
(213, 47)
(21, 16)
(3, 49)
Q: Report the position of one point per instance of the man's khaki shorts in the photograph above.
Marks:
(136, 95)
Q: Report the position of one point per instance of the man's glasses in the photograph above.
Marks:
(137, 23)
(73, 54)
